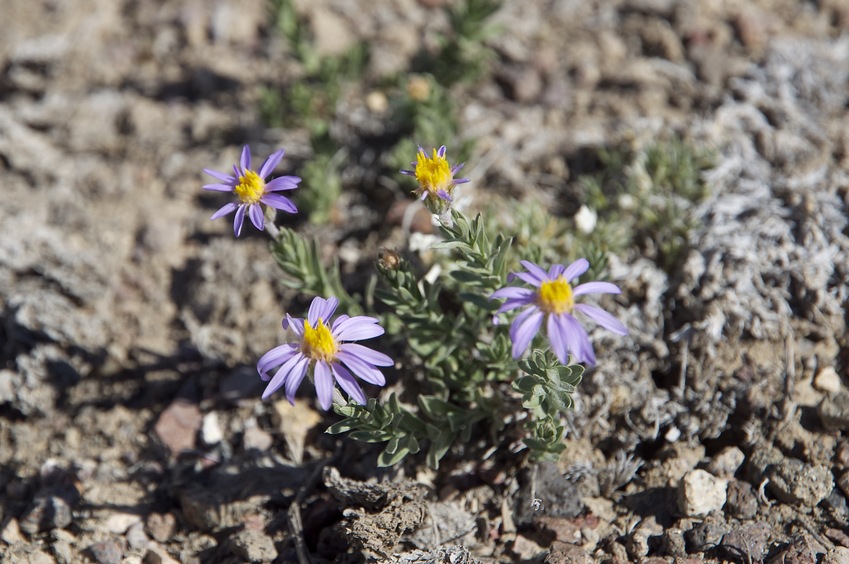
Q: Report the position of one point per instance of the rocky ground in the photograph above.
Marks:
(130, 422)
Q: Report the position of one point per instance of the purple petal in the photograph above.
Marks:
(602, 318)
(461, 180)
(296, 377)
(338, 322)
(275, 357)
(516, 302)
(408, 172)
(529, 278)
(366, 354)
(321, 309)
(511, 292)
(239, 220)
(296, 324)
(218, 187)
(220, 176)
(348, 384)
(361, 369)
(282, 183)
(282, 374)
(323, 380)
(224, 210)
(271, 163)
(596, 288)
(555, 271)
(279, 202)
(457, 168)
(245, 161)
(524, 328)
(441, 151)
(557, 338)
(256, 215)
(577, 339)
(357, 328)
(444, 195)
(576, 269)
(535, 270)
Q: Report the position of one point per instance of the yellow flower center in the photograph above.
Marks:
(250, 188)
(555, 296)
(433, 174)
(319, 343)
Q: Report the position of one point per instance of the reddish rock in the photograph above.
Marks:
(178, 425)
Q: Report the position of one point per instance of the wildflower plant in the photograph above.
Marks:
(456, 370)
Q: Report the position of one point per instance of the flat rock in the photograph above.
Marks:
(563, 553)
(834, 412)
(748, 542)
(836, 555)
(793, 481)
(252, 546)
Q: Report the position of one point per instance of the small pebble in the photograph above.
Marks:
(178, 425)
(118, 523)
(377, 102)
(833, 412)
(161, 527)
(726, 463)
(210, 431)
(742, 503)
(672, 543)
(838, 537)
(106, 552)
(706, 535)
(841, 454)
(136, 538)
(11, 533)
(256, 439)
(700, 493)
(827, 380)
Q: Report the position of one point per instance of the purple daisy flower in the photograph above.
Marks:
(324, 350)
(435, 177)
(553, 300)
(252, 190)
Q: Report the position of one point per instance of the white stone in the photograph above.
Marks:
(210, 431)
(827, 380)
(586, 219)
(118, 523)
(700, 492)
